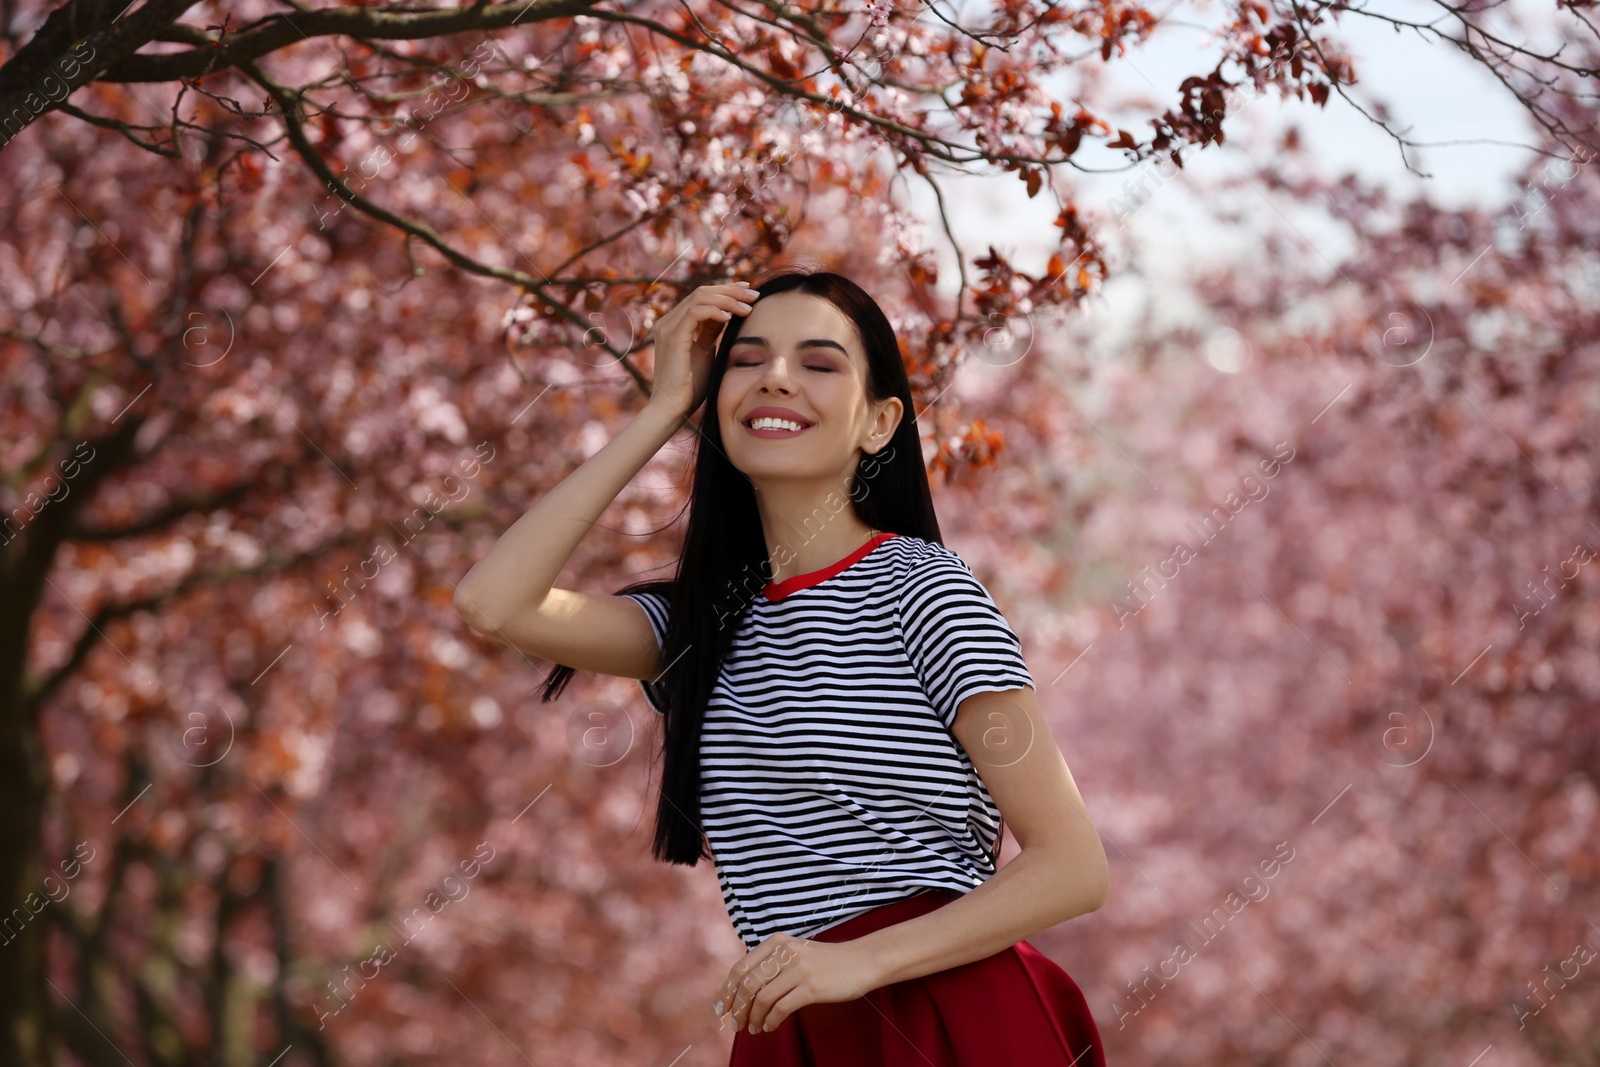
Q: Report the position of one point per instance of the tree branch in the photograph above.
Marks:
(288, 105)
(76, 530)
(34, 695)
(75, 46)
(283, 29)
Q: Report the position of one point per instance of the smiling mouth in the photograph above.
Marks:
(775, 428)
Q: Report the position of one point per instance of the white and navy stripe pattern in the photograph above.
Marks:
(830, 781)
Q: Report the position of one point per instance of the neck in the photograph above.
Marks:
(807, 528)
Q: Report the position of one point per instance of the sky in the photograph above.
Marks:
(1433, 92)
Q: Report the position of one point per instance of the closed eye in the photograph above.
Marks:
(829, 370)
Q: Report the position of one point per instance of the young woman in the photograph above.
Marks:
(846, 712)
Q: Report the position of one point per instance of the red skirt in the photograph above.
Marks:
(1015, 1007)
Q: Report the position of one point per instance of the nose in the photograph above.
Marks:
(774, 379)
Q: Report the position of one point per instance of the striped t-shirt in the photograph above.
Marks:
(830, 781)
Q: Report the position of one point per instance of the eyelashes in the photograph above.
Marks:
(825, 370)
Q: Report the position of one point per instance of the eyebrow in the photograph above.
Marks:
(815, 342)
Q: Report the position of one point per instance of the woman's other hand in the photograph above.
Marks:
(783, 974)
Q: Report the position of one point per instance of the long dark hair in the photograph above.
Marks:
(724, 564)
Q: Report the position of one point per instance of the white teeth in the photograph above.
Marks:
(769, 423)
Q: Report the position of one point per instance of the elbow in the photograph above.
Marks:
(1099, 894)
(1092, 884)
(1083, 880)
(1100, 887)
(469, 611)
(1087, 898)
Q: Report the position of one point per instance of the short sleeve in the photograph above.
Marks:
(655, 608)
(955, 637)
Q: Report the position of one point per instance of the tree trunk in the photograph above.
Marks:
(24, 1012)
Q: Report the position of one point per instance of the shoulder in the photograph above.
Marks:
(912, 552)
(955, 636)
(932, 582)
(923, 564)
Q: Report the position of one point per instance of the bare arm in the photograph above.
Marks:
(521, 569)
(509, 595)
(1060, 873)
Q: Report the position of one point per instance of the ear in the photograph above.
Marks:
(885, 421)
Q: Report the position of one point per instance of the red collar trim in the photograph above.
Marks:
(796, 582)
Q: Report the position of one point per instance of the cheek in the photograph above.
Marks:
(841, 400)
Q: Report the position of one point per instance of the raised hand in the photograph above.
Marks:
(686, 339)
